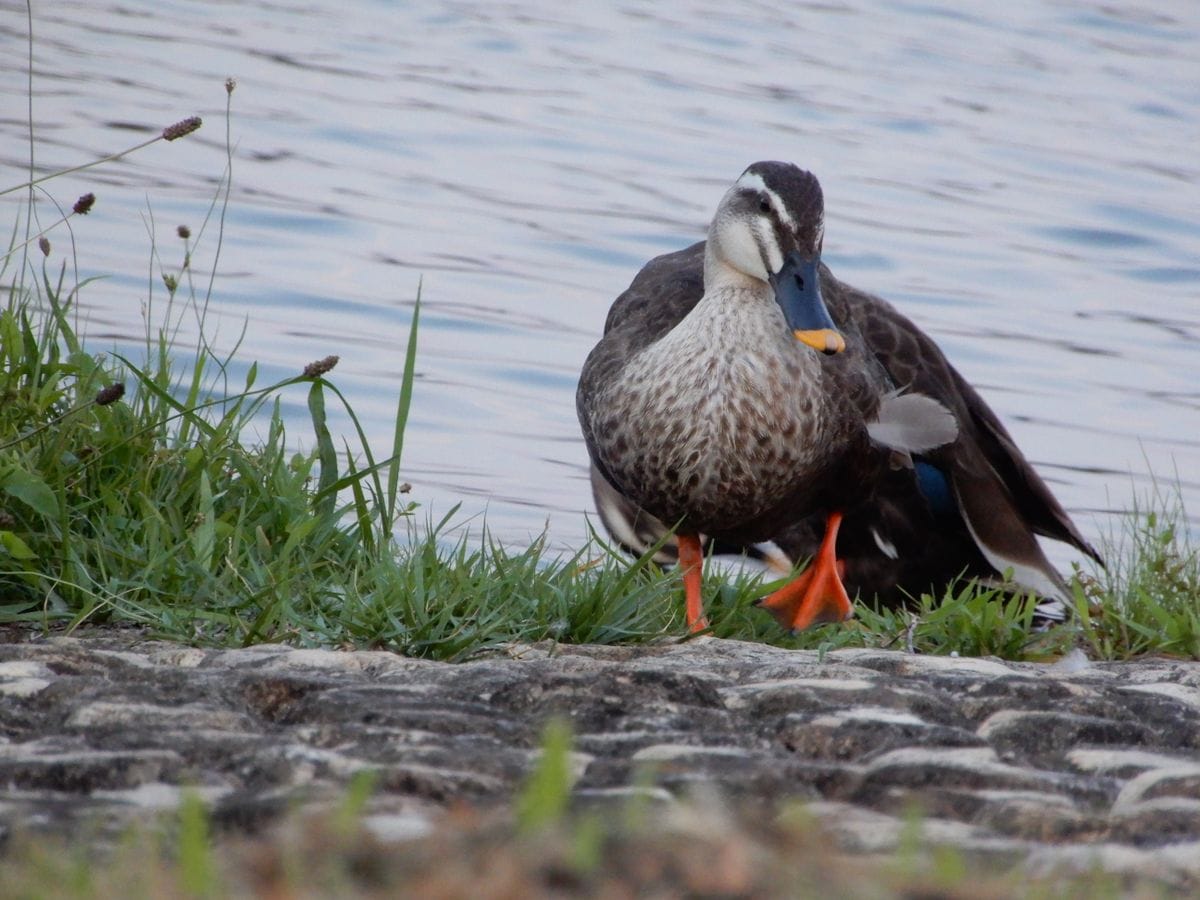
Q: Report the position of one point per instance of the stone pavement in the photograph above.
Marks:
(1038, 767)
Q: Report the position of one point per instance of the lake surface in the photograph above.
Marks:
(1022, 182)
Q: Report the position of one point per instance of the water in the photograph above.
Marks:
(1022, 181)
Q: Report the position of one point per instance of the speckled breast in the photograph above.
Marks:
(716, 436)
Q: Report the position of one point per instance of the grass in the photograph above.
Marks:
(543, 844)
(130, 494)
(1148, 599)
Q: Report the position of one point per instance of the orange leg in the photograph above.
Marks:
(817, 595)
(691, 563)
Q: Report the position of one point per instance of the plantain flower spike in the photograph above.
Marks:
(181, 128)
(110, 394)
(320, 367)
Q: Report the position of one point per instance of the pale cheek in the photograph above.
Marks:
(740, 250)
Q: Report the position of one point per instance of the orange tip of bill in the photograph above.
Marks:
(826, 340)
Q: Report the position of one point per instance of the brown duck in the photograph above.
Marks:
(741, 394)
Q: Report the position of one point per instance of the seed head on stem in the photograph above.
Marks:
(320, 367)
(181, 128)
(110, 394)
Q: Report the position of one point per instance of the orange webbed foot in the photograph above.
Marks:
(817, 594)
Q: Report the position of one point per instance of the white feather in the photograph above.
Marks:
(886, 547)
(912, 423)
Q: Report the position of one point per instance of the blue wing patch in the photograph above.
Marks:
(935, 488)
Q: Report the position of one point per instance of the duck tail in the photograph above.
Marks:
(1006, 540)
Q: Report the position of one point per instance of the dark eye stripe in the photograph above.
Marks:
(754, 201)
(783, 236)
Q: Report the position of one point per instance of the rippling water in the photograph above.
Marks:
(1022, 182)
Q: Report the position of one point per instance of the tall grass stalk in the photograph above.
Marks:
(151, 508)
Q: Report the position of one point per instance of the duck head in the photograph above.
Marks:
(768, 229)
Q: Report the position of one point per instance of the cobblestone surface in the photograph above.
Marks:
(1036, 766)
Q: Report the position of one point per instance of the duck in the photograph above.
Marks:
(743, 399)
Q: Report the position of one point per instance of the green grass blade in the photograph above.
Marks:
(402, 409)
(197, 869)
(542, 800)
(326, 453)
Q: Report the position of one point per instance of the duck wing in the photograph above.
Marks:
(660, 295)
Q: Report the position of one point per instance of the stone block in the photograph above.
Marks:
(863, 732)
(84, 771)
(1038, 734)
(1176, 781)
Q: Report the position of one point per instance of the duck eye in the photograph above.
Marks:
(764, 205)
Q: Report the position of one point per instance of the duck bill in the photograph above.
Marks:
(797, 287)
